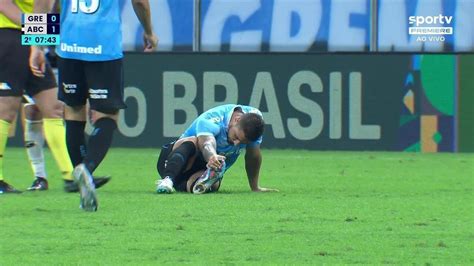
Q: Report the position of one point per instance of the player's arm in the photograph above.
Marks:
(37, 57)
(43, 6)
(11, 11)
(206, 130)
(253, 161)
(142, 10)
(207, 146)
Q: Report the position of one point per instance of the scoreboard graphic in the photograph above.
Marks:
(40, 29)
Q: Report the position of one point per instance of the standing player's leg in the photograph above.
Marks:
(105, 80)
(44, 91)
(100, 139)
(75, 116)
(74, 95)
(8, 108)
(14, 70)
(102, 83)
(34, 143)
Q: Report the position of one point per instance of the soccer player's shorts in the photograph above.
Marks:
(198, 165)
(101, 82)
(16, 77)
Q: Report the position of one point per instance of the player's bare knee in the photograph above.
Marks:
(9, 108)
(53, 110)
(77, 113)
(96, 115)
(8, 115)
(32, 112)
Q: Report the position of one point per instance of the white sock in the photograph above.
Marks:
(34, 142)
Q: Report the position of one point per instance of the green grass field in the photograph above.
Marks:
(332, 208)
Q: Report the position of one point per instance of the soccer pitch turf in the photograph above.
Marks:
(332, 208)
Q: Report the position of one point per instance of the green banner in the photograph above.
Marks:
(396, 102)
(310, 101)
(466, 103)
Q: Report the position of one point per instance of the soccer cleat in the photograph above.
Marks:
(100, 181)
(71, 187)
(165, 186)
(86, 188)
(7, 188)
(209, 178)
(40, 183)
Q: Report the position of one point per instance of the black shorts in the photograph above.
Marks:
(101, 82)
(198, 165)
(16, 77)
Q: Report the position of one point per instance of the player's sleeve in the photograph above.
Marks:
(206, 127)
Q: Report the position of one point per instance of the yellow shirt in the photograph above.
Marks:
(26, 6)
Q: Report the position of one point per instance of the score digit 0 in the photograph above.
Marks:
(53, 18)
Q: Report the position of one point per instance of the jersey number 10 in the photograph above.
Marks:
(81, 4)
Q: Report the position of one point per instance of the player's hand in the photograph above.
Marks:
(263, 189)
(150, 41)
(215, 162)
(37, 61)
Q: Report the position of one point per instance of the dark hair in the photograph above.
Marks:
(253, 125)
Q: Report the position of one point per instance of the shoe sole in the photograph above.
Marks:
(36, 189)
(87, 192)
(71, 189)
(104, 180)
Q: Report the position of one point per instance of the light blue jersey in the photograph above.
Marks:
(90, 30)
(215, 122)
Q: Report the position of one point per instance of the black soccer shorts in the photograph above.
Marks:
(15, 74)
(101, 82)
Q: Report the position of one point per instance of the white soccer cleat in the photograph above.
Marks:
(86, 188)
(165, 186)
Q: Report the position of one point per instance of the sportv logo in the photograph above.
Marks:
(427, 30)
(421, 20)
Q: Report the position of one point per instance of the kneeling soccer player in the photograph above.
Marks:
(197, 161)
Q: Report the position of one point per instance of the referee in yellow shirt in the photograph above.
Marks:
(15, 79)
